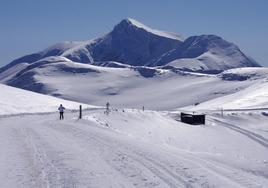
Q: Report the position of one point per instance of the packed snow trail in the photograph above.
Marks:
(256, 137)
(42, 151)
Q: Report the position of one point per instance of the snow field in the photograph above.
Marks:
(128, 149)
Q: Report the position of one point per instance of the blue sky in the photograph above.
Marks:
(28, 26)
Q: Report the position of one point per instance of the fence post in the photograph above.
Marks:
(80, 111)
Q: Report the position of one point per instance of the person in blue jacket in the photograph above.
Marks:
(61, 110)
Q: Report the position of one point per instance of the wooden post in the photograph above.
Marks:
(80, 111)
(107, 108)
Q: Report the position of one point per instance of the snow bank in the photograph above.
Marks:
(16, 101)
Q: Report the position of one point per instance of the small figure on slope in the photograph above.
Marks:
(61, 110)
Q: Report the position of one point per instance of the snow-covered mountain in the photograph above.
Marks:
(132, 43)
(206, 53)
(111, 68)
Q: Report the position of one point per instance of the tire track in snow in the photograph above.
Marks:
(83, 148)
(238, 178)
(126, 162)
(208, 168)
(156, 168)
(161, 171)
(49, 170)
(85, 136)
(111, 148)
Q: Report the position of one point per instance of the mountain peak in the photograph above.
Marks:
(131, 23)
(136, 23)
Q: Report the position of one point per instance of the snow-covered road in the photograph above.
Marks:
(41, 151)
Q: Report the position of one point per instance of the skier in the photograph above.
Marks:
(61, 110)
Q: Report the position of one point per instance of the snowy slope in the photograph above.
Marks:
(18, 101)
(131, 149)
(10, 73)
(245, 74)
(123, 87)
(54, 50)
(253, 97)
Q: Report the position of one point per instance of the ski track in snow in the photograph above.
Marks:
(74, 153)
(254, 136)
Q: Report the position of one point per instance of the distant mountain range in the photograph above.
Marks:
(135, 65)
(133, 43)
